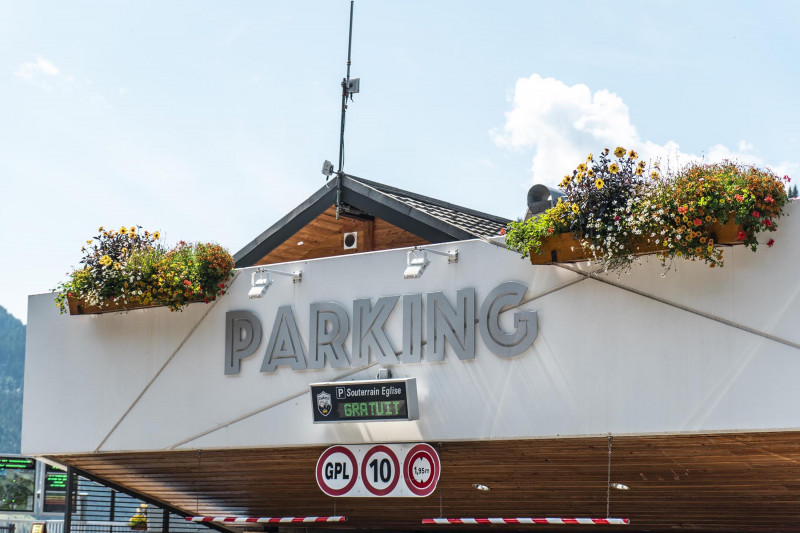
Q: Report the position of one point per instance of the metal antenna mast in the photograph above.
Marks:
(346, 91)
(349, 88)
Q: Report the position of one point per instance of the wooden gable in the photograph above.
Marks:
(324, 237)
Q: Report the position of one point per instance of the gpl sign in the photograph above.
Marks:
(393, 470)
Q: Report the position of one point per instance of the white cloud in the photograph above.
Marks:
(43, 73)
(562, 124)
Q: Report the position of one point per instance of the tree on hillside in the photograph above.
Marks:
(12, 368)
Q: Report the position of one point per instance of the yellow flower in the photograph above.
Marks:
(639, 171)
(582, 167)
(590, 173)
(654, 175)
(708, 218)
(105, 260)
(589, 157)
(156, 235)
(632, 154)
(133, 230)
(123, 230)
(619, 151)
(598, 183)
(710, 248)
(88, 242)
(613, 168)
(100, 229)
(575, 209)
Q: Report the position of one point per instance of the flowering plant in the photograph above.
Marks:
(139, 519)
(131, 266)
(619, 208)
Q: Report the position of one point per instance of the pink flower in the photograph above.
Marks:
(787, 179)
(697, 222)
(187, 282)
(549, 230)
(682, 210)
(767, 222)
(741, 236)
(616, 218)
(770, 242)
(221, 285)
(769, 199)
(502, 231)
(756, 214)
(739, 197)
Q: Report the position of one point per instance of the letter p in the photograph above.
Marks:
(242, 337)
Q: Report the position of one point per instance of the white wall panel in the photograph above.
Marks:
(606, 359)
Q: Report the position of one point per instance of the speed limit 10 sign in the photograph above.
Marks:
(369, 471)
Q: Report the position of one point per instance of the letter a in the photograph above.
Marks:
(285, 347)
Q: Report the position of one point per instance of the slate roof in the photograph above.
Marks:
(475, 222)
(433, 220)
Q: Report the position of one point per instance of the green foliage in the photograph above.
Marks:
(12, 368)
(527, 236)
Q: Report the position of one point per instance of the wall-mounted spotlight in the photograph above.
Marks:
(261, 280)
(417, 261)
(620, 486)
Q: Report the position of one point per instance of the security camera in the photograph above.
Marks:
(327, 168)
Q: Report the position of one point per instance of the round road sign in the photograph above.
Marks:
(337, 471)
(380, 470)
(421, 469)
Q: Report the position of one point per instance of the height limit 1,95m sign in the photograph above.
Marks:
(365, 401)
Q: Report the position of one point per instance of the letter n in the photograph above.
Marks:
(457, 326)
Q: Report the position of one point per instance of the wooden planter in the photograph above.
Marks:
(79, 307)
(725, 233)
(565, 248)
(561, 248)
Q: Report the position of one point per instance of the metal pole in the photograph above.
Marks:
(344, 111)
(165, 522)
(112, 510)
(68, 502)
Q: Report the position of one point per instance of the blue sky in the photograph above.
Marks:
(210, 120)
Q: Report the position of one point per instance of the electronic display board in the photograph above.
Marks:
(55, 490)
(365, 401)
(17, 478)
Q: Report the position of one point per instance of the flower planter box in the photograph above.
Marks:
(725, 233)
(565, 248)
(560, 248)
(79, 307)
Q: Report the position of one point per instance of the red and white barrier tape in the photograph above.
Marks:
(266, 519)
(559, 521)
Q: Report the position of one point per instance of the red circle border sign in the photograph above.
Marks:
(422, 450)
(365, 479)
(321, 461)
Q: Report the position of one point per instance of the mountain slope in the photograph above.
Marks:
(12, 368)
